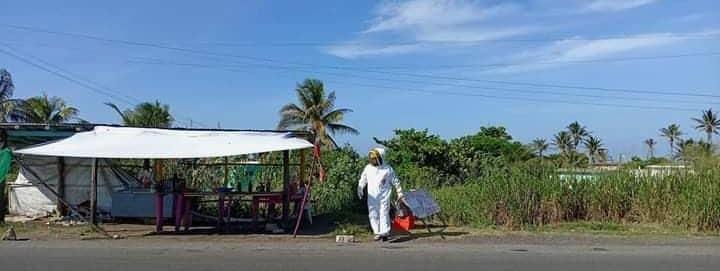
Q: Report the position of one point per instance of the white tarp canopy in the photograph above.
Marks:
(141, 143)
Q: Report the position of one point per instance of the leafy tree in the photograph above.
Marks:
(673, 134)
(593, 145)
(471, 155)
(416, 147)
(577, 133)
(8, 106)
(46, 110)
(495, 132)
(539, 145)
(494, 142)
(708, 123)
(146, 115)
(419, 158)
(315, 113)
(650, 143)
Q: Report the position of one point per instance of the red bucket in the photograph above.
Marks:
(403, 223)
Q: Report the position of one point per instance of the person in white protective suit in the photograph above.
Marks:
(379, 178)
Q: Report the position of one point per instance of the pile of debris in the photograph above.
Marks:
(67, 221)
(9, 235)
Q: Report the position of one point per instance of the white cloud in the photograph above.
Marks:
(578, 49)
(360, 50)
(419, 14)
(615, 5)
(430, 24)
(473, 34)
(426, 41)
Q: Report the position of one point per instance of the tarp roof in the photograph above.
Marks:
(141, 143)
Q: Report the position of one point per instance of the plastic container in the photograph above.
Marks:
(405, 224)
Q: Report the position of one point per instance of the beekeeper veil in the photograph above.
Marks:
(377, 157)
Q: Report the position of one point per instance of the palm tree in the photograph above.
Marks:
(673, 134)
(709, 123)
(316, 113)
(578, 133)
(593, 145)
(563, 141)
(147, 115)
(46, 110)
(650, 143)
(539, 145)
(8, 106)
(687, 149)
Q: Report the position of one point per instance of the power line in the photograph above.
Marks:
(707, 35)
(63, 76)
(501, 64)
(525, 98)
(131, 101)
(95, 87)
(465, 94)
(452, 42)
(581, 61)
(159, 62)
(125, 98)
(620, 90)
(424, 76)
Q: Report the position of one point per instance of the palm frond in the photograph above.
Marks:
(124, 116)
(336, 128)
(336, 115)
(290, 123)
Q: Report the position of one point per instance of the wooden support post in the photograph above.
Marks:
(4, 138)
(93, 193)
(159, 171)
(286, 189)
(62, 211)
(227, 172)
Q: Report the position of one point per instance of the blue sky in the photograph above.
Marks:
(398, 64)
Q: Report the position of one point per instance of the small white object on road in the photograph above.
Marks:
(344, 239)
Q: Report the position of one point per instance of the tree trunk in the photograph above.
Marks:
(672, 149)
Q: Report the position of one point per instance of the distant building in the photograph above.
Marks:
(660, 170)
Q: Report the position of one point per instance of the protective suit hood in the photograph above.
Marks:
(381, 153)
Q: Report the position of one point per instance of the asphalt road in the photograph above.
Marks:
(160, 254)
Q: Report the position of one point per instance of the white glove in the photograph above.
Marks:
(360, 192)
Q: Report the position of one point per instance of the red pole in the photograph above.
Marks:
(321, 177)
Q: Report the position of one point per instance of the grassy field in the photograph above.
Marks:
(522, 199)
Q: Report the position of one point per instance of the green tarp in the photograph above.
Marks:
(5, 163)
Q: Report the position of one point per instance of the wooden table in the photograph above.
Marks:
(224, 198)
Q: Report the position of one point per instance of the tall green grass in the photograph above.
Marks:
(524, 196)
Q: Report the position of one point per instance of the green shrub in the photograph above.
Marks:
(337, 195)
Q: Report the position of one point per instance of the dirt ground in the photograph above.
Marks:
(45, 230)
